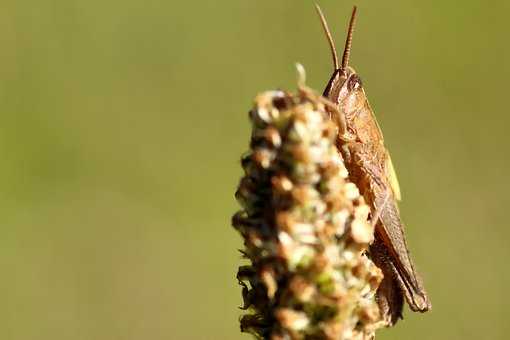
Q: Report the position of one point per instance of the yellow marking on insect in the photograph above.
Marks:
(392, 177)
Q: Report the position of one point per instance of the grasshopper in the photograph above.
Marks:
(360, 141)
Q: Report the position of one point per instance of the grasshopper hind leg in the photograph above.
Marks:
(389, 294)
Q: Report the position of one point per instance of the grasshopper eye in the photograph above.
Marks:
(354, 82)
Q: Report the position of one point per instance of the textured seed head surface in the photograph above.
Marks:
(304, 227)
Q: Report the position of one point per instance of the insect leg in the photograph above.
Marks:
(389, 294)
(390, 231)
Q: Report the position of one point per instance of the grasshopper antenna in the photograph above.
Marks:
(328, 35)
(348, 41)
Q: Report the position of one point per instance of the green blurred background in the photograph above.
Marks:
(121, 126)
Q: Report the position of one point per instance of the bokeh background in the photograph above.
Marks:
(121, 126)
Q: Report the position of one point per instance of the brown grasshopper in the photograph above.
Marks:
(369, 164)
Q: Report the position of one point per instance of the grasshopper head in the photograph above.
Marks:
(344, 79)
(344, 84)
